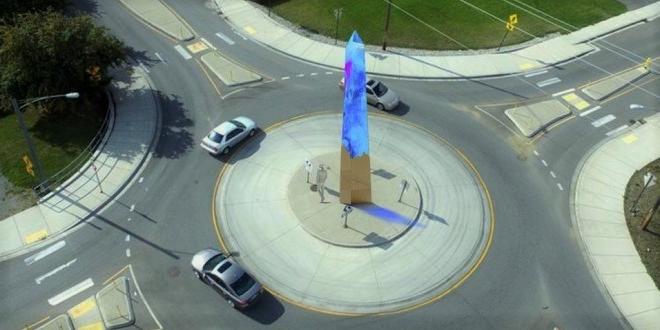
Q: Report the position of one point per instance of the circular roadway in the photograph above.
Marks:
(534, 275)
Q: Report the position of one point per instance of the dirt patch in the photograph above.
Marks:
(646, 241)
(14, 199)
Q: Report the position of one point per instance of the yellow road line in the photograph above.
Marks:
(434, 299)
(82, 308)
(115, 275)
(35, 324)
(250, 29)
(613, 74)
(36, 236)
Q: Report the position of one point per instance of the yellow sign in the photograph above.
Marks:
(28, 165)
(513, 21)
(647, 63)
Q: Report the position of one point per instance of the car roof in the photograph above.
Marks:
(202, 257)
(231, 274)
(224, 128)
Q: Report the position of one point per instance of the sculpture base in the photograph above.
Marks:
(355, 181)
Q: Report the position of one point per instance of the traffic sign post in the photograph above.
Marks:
(510, 26)
(404, 186)
(650, 180)
(347, 210)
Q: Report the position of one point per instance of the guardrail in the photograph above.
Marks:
(45, 187)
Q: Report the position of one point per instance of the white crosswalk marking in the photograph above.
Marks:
(183, 52)
(602, 121)
(548, 82)
(225, 38)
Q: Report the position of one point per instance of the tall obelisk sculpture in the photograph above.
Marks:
(355, 172)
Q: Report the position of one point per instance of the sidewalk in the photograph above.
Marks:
(257, 25)
(597, 202)
(124, 150)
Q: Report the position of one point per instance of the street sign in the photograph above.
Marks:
(28, 165)
(512, 22)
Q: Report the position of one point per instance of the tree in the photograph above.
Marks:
(49, 53)
(10, 8)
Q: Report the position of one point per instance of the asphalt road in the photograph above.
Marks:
(533, 277)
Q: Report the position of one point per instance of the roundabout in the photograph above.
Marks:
(406, 248)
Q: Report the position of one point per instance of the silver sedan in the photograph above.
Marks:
(228, 134)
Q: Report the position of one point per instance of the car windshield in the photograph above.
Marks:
(215, 137)
(237, 123)
(214, 262)
(380, 89)
(243, 284)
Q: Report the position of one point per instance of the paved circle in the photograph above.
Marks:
(258, 225)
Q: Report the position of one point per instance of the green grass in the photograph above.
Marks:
(59, 139)
(456, 19)
(647, 242)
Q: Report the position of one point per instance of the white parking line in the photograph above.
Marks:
(132, 208)
(313, 74)
(548, 82)
(537, 73)
(128, 253)
(141, 179)
(536, 153)
(183, 52)
(52, 272)
(286, 78)
(128, 238)
(225, 38)
(563, 92)
(544, 163)
(70, 292)
(552, 174)
(328, 72)
(129, 219)
(602, 121)
(560, 187)
(596, 108)
(616, 130)
(44, 253)
(300, 75)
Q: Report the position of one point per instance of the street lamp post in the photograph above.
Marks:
(18, 105)
(387, 24)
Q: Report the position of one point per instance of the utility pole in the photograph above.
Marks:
(338, 13)
(387, 23)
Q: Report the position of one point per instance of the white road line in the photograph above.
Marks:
(602, 121)
(596, 108)
(208, 43)
(536, 153)
(146, 304)
(128, 238)
(129, 219)
(72, 291)
(132, 208)
(548, 82)
(300, 75)
(225, 38)
(141, 179)
(183, 52)
(286, 78)
(560, 187)
(544, 163)
(552, 174)
(52, 272)
(313, 74)
(144, 67)
(537, 73)
(44, 253)
(128, 253)
(160, 58)
(240, 35)
(328, 72)
(616, 130)
(563, 92)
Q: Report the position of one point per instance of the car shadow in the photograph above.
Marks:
(244, 149)
(400, 110)
(266, 311)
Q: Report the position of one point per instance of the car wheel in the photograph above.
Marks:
(225, 150)
(251, 133)
(380, 106)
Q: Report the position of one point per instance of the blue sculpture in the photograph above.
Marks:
(355, 176)
(355, 132)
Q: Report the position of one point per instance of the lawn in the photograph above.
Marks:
(647, 242)
(452, 17)
(59, 139)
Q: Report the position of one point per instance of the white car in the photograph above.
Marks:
(378, 94)
(228, 134)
